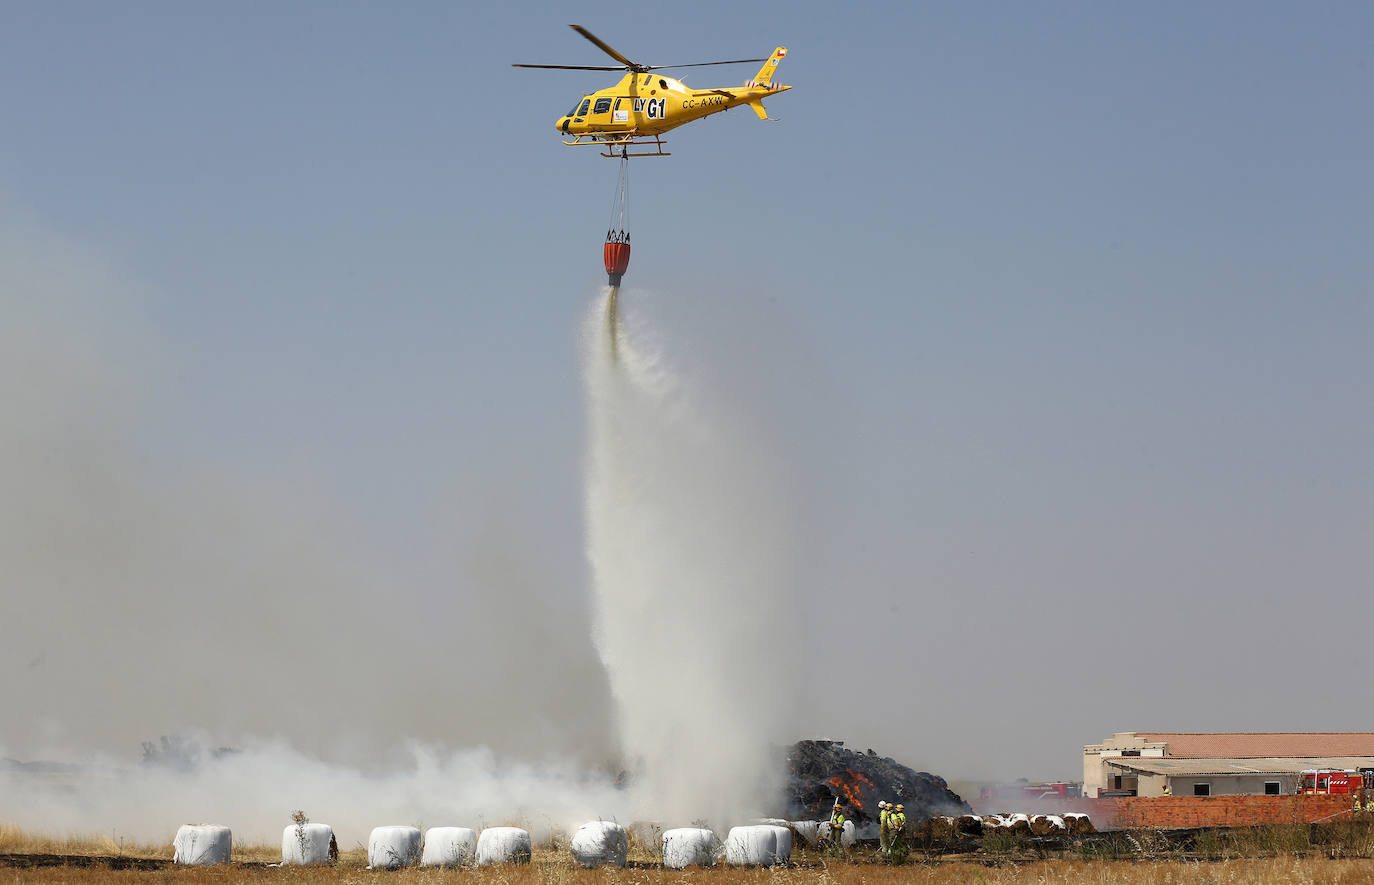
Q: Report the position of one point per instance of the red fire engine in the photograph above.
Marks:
(1022, 790)
(1332, 781)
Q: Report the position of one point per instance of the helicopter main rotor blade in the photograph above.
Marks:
(574, 67)
(604, 47)
(703, 64)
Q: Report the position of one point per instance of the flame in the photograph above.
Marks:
(852, 788)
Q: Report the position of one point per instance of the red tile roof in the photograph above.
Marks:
(1264, 744)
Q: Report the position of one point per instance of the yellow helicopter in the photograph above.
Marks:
(643, 105)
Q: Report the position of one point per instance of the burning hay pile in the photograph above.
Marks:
(820, 771)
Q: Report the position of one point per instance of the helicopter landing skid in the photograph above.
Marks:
(618, 147)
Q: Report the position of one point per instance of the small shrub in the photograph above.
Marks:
(300, 819)
(1104, 846)
(1210, 845)
(1000, 842)
(1349, 838)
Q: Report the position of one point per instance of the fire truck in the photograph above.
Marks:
(1023, 790)
(1335, 781)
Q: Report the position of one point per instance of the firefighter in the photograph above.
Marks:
(884, 809)
(837, 826)
(1166, 792)
(896, 825)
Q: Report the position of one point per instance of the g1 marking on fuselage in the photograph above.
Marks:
(654, 108)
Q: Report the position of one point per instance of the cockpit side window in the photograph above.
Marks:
(602, 106)
(582, 111)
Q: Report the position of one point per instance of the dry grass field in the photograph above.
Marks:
(1234, 872)
(31, 859)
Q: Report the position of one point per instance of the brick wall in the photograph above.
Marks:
(1180, 812)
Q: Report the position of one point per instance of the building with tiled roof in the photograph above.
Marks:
(1148, 763)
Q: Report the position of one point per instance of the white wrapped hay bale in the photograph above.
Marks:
(689, 846)
(751, 846)
(846, 833)
(758, 846)
(390, 848)
(600, 843)
(449, 847)
(308, 844)
(503, 845)
(201, 845)
(808, 830)
(783, 852)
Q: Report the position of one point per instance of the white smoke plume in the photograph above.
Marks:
(689, 535)
(254, 791)
(151, 590)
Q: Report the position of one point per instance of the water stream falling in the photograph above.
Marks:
(687, 540)
(612, 335)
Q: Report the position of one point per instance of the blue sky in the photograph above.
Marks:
(1060, 313)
